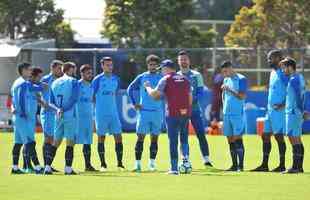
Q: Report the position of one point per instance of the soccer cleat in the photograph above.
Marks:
(172, 172)
(120, 167)
(152, 167)
(137, 170)
(240, 169)
(279, 169)
(261, 168)
(39, 171)
(232, 169)
(17, 171)
(71, 173)
(208, 164)
(90, 169)
(29, 171)
(103, 169)
(54, 170)
(294, 171)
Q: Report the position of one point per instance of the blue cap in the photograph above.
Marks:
(167, 63)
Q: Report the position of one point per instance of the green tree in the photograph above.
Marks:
(271, 23)
(152, 24)
(34, 19)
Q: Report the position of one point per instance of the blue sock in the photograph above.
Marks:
(174, 164)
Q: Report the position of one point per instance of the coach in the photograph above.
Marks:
(177, 92)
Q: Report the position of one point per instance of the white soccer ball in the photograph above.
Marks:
(185, 168)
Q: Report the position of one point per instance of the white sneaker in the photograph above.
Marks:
(103, 169)
(152, 166)
(171, 172)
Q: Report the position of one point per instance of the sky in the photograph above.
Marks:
(84, 9)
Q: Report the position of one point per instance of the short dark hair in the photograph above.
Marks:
(226, 64)
(85, 68)
(55, 63)
(288, 61)
(275, 52)
(35, 71)
(183, 53)
(67, 66)
(106, 58)
(22, 66)
(152, 58)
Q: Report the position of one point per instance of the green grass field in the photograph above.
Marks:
(201, 184)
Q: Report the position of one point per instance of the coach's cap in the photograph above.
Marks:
(106, 58)
(167, 63)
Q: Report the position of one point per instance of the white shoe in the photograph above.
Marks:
(171, 172)
(103, 169)
(152, 166)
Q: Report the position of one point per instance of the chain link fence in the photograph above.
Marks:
(129, 62)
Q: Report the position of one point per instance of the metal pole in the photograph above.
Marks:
(95, 62)
(259, 66)
(214, 47)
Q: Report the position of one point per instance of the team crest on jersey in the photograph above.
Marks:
(183, 111)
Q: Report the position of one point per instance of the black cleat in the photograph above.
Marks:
(279, 169)
(71, 173)
(120, 166)
(54, 170)
(90, 169)
(261, 168)
(17, 171)
(208, 164)
(294, 171)
(232, 169)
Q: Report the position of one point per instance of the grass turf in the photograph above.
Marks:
(201, 184)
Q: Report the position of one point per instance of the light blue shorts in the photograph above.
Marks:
(149, 122)
(275, 122)
(85, 131)
(108, 125)
(233, 125)
(294, 124)
(23, 130)
(66, 129)
(48, 123)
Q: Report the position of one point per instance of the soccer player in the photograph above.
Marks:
(294, 112)
(234, 92)
(150, 112)
(47, 114)
(105, 86)
(275, 117)
(34, 99)
(22, 117)
(64, 96)
(177, 91)
(85, 114)
(196, 117)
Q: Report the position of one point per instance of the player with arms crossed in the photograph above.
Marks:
(47, 114)
(150, 112)
(275, 117)
(105, 86)
(85, 114)
(294, 113)
(177, 92)
(64, 96)
(234, 92)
